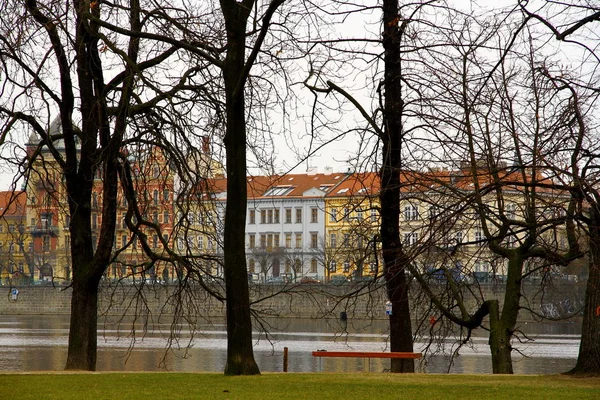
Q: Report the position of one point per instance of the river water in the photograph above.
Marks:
(39, 343)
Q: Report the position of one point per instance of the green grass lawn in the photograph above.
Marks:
(165, 385)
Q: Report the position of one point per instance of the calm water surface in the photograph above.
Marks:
(39, 343)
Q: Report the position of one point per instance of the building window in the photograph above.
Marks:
(123, 240)
(288, 266)
(314, 215)
(479, 238)
(298, 240)
(252, 240)
(347, 214)
(270, 241)
(297, 266)
(332, 240)
(154, 241)
(346, 266)
(276, 216)
(288, 240)
(346, 240)
(166, 217)
(459, 237)
(252, 217)
(155, 217)
(314, 240)
(276, 240)
(263, 240)
(333, 215)
(313, 266)
(372, 267)
(251, 265)
(298, 215)
(374, 216)
(166, 195)
(332, 266)
(94, 221)
(269, 216)
(155, 197)
(200, 242)
(95, 200)
(511, 211)
(411, 213)
(410, 238)
(288, 215)
(46, 243)
(263, 216)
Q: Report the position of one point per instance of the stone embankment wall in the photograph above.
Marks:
(304, 301)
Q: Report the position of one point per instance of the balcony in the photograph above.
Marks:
(35, 230)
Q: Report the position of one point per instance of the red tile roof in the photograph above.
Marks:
(12, 204)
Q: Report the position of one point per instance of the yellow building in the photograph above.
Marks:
(14, 241)
(352, 227)
(442, 225)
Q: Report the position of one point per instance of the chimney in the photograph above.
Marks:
(206, 144)
(311, 171)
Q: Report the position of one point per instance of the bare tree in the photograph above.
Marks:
(400, 25)
(98, 118)
(575, 23)
(520, 210)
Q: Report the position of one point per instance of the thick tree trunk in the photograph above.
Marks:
(502, 326)
(83, 329)
(240, 356)
(588, 360)
(394, 257)
(400, 324)
(499, 342)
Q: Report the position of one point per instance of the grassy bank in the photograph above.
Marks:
(165, 385)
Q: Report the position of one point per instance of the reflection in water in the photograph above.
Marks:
(39, 343)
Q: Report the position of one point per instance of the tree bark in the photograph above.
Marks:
(499, 342)
(240, 356)
(588, 359)
(394, 257)
(82, 351)
(502, 326)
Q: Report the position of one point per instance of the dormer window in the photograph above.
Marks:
(278, 191)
